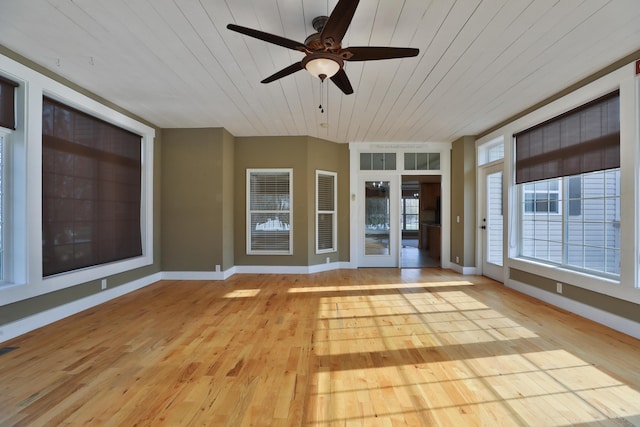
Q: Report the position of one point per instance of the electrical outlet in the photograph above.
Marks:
(328, 260)
(457, 260)
(103, 284)
(559, 287)
(217, 268)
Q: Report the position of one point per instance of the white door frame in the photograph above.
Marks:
(357, 201)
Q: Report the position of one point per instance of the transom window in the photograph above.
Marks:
(421, 161)
(377, 161)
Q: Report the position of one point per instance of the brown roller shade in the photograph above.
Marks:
(91, 190)
(7, 103)
(586, 139)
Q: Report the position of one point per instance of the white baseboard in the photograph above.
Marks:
(463, 270)
(198, 275)
(28, 324)
(613, 321)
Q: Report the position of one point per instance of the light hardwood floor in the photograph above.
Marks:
(368, 347)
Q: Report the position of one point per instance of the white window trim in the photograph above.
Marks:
(334, 212)
(249, 250)
(5, 202)
(27, 279)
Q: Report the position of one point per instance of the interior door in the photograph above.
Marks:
(379, 221)
(492, 223)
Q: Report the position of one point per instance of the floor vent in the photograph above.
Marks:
(5, 350)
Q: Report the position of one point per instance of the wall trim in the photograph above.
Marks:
(462, 269)
(618, 323)
(30, 323)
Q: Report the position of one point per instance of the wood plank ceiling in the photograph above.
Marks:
(174, 63)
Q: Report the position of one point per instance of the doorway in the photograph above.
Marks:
(420, 225)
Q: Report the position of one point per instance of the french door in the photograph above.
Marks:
(379, 212)
(492, 223)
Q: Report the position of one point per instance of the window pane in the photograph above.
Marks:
(390, 161)
(434, 161)
(366, 161)
(410, 161)
(422, 161)
(588, 232)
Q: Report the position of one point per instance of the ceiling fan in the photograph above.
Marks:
(324, 54)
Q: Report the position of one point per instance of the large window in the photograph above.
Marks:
(91, 191)
(568, 175)
(326, 211)
(269, 211)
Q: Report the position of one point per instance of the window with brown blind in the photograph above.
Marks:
(568, 176)
(586, 139)
(7, 103)
(91, 190)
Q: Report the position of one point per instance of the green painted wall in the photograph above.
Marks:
(304, 155)
(463, 201)
(197, 199)
(328, 156)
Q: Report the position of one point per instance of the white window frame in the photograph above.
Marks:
(333, 213)
(5, 222)
(289, 211)
(25, 159)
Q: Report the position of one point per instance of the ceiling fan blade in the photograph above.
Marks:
(267, 37)
(284, 72)
(342, 81)
(370, 53)
(338, 22)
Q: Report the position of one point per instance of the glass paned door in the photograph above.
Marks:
(380, 207)
(377, 218)
(492, 226)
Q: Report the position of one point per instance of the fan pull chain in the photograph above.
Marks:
(320, 106)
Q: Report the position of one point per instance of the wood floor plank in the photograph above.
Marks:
(368, 347)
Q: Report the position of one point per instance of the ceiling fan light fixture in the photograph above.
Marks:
(322, 64)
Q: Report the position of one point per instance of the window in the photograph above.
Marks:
(491, 151)
(91, 191)
(326, 212)
(422, 161)
(269, 212)
(377, 161)
(568, 176)
(409, 213)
